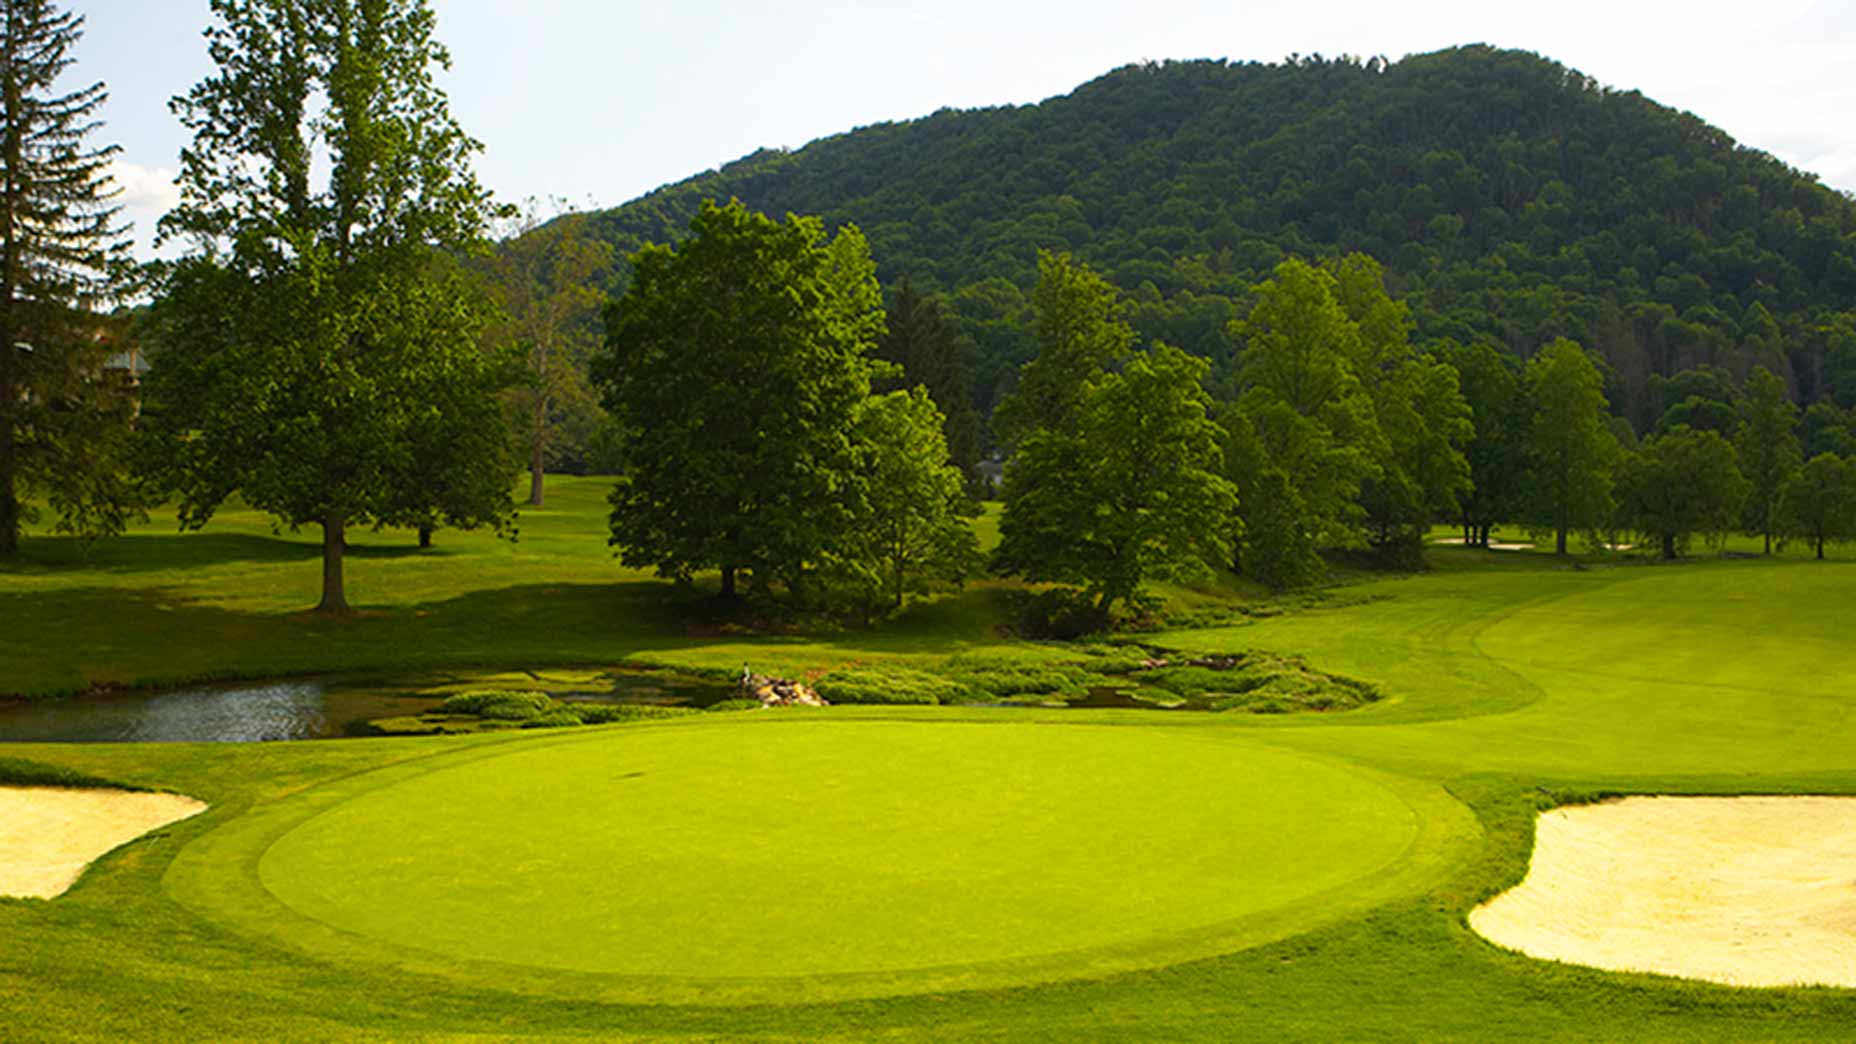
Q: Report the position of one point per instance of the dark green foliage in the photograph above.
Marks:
(1828, 429)
(1129, 491)
(734, 454)
(1078, 334)
(1570, 448)
(327, 366)
(498, 708)
(1768, 449)
(1513, 201)
(932, 354)
(1680, 483)
(498, 704)
(1818, 503)
(1490, 380)
(1262, 683)
(64, 417)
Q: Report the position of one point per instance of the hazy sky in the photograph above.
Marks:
(600, 101)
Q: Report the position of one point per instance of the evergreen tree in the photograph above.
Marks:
(1491, 384)
(1769, 450)
(64, 420)
(734, 366)
(931, 353)
(316, 337)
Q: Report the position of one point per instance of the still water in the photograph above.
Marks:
(305, 708)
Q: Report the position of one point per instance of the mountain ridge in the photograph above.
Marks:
(1511, 198)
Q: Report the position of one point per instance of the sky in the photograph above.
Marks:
(597, 102)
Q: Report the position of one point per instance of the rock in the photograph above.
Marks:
(779, 692)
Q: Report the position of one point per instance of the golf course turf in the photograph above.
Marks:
(899, 872)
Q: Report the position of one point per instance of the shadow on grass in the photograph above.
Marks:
(152, 553)
(74, 639)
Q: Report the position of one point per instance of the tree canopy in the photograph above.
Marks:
(734, 367)
(319, 348)
(1570, 448)
(1129, 492)
(1513, 201)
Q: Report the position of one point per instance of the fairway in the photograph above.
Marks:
(817, 848)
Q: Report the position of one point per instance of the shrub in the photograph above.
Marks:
(893, 685)
(602, 713)
(499, 705)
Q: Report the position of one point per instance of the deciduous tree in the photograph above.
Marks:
(734, 366)
(1078, 333)
(1683, 482)
(911, 521)
(1769, 450)
(1130, 491)
(314, 339)
(548, 273)
(1818, 503)
(1570, 448)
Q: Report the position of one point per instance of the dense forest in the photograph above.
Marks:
(1512, 201)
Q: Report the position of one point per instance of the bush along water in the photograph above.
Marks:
(1254, 682)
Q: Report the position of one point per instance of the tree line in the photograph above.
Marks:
(339, 347)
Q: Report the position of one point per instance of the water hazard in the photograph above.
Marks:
(308, 708)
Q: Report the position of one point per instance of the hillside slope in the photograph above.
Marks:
(1510, 198)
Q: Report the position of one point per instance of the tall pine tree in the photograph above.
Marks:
(932, 353)
(63, 416)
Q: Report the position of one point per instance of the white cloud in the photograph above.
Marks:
(147, 193)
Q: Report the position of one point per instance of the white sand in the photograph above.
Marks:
(1751, 891)
(48, 835)
(1493, 545)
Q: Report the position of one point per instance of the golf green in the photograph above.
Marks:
(761, 848)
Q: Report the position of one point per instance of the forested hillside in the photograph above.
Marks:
(1511, 200)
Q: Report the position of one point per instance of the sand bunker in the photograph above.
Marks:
(1493, 544)
(1752, 891)
(48, 835)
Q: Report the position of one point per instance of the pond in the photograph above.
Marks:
(312, 708)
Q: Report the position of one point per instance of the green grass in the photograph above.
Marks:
(898, 872)
(868, 856)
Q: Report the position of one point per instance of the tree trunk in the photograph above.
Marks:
(1669, 547)
(425, 536)
(899, 580)
(535, 459)
(728, 582)
(1820, 549)
(1560, 543)
(1768, 542)
(9, 460)
(334, 543)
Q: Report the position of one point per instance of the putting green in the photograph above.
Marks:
(893, 855)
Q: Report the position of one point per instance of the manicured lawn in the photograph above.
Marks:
(905, 873)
